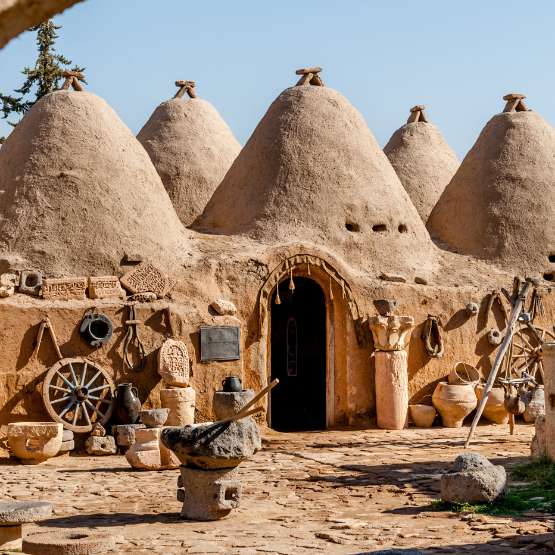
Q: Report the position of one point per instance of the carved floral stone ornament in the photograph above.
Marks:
(390, 332)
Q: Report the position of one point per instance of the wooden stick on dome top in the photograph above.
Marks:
(185, 87)
(515, 103)
(417, 114)
(73, 79)
(309, 76)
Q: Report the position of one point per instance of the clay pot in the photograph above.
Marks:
(154, 418)
(454, 403)
(181, 403)
(495, 410)
(463, 373)
(35, 442)
(423, 416)
(535, 404)
(128, 404)
(232, 384)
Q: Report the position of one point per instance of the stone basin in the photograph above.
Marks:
(211, 446)
(35, 442)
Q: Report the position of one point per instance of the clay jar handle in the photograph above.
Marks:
(135, 391)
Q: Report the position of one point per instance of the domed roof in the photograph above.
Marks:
(422, 159)
(500, 205)
(192, 148)
(313, 171)
(80, 191)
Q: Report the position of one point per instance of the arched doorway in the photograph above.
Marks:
(298, 356)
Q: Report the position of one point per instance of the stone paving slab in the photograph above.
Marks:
(333, 492)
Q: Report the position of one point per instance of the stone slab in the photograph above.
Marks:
(64, 288)
(146, 278)
(96, 445)
(105, 287)
(30, 282)
(20, 512)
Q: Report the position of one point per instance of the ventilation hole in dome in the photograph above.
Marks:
(352, 227)
(551, 258)
(549, 276)
(403, 228)
(380, 228)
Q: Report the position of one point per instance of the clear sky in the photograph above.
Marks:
(456, 57)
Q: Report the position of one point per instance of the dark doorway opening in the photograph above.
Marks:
(298, 343)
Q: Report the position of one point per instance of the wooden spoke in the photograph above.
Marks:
(59, 388)
(86, 414)
(63, 378)
(76, 415)
(67, 407)
(65, 398)
(94, 378)
(99, 388)
(94, 408)
(74, 377)
(84, 373)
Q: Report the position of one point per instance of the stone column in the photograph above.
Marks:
(392, 387)
(548, 350)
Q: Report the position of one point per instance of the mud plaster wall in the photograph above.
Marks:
(353, 385)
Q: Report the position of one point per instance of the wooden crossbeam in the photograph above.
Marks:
(185, 87)
(515, 103)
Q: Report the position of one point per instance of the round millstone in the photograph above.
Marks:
(20, 512)
(74, 541)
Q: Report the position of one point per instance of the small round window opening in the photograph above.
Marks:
(403, 228)
(352, 227)
(549, 276)
(551, 258)
(380, 228)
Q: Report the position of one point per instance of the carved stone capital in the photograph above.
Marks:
(390, 332)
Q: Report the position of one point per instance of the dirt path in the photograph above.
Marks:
(343, 492)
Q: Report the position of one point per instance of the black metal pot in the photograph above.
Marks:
(231, 384)
(96, 329)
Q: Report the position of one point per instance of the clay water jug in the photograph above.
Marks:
(454, 403)
(128, 404)
(232, 383)
(495, 410)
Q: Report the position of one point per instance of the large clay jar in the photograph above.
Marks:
(181, 402)
(128, 404)
(495, 410)
(535, 404)
(454, 403)
(423, 416)
(35, 442)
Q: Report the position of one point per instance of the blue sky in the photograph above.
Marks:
(457, 58)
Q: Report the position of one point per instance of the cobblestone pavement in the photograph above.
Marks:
(323, 492)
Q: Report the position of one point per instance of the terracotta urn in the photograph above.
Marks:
(495, 410)
(423, 416)
(463, 373)
(454, 403)
(35, 442)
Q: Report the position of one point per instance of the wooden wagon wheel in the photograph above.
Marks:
(78, 393)
(526, 353)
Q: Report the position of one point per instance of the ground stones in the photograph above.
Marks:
(64, 542)
(64, 288)
(144, 278)
(473, 479)
(173, 363)
(13, 514)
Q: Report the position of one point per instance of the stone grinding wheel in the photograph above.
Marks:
(78, 393)
(69, 542)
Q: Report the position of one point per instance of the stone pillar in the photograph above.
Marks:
(392, 387)
(181, 402)
(548, 353)
(208, 494)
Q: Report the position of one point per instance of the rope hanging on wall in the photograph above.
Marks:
(431, 335)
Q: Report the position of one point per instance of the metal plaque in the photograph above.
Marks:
(219, 343)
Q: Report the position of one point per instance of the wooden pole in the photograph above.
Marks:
(515, 313)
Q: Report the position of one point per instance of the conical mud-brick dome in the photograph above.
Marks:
(312, 171)
(500, 205)
(422, 159)
(80, 191)
(191, 147)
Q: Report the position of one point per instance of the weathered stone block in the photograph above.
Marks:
(229, 403)
(223, 307)
(96, 445)
(64, 288)
(124, 434)
(173, 363)
(30, 282)
(105, 287)
(473, 479)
